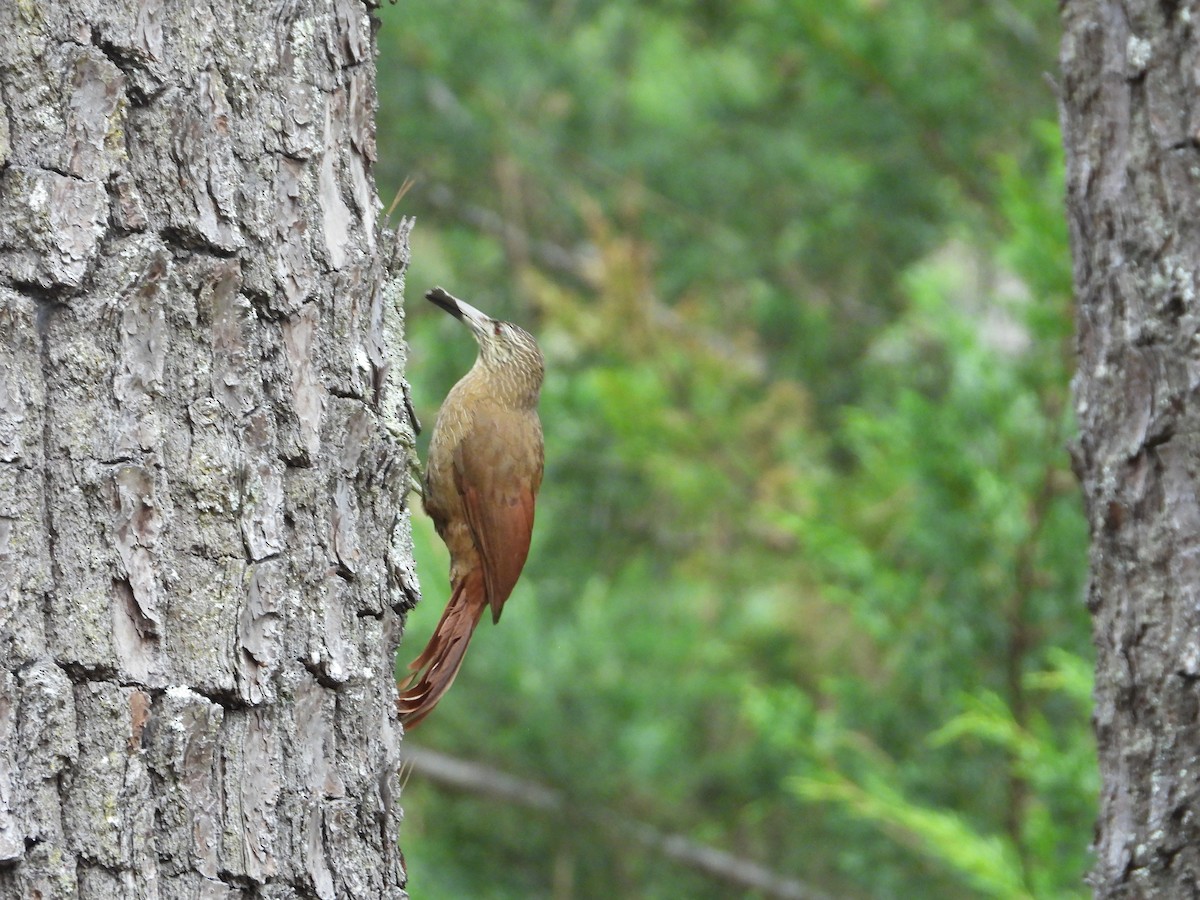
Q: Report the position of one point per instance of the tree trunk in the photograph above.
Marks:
(203, 454)
(1131, 122)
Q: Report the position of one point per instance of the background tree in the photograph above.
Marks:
(203, 544)
(1129, 98)
(807, 580)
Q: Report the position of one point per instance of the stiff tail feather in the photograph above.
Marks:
(434, 670)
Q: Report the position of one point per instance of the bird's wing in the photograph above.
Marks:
(497, 469)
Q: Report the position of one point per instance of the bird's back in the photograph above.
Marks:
(483, 474)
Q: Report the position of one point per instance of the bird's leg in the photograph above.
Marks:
(416, 479)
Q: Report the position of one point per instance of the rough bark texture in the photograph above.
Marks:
(1131, 118)
(203, 454)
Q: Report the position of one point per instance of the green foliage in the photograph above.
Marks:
(806, 582)
(986, 863)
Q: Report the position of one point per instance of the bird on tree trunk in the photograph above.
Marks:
(482, 475)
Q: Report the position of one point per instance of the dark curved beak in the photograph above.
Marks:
(439, 297)
(460, 309)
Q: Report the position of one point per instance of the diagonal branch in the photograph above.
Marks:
(476, 778)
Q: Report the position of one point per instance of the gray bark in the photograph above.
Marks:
(1131, 121)
(204, 553)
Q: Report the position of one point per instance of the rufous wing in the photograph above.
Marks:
(498, 469)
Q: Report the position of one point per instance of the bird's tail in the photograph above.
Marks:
(434, 670)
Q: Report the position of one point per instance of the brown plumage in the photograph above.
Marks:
(483, 473)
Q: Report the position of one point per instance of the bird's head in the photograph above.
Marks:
(506, 352)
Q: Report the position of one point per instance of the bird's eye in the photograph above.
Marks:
(496, 328)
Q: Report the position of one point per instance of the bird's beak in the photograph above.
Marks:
(477, 321)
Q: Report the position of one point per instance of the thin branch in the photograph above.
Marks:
(475, 778)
